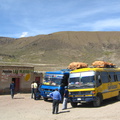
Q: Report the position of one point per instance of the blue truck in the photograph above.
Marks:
(53, 80)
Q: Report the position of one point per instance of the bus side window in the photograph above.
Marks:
(109, 78)
(104, 77)
(115, 77)
(112, 77)
(98, 80)
(118, 75)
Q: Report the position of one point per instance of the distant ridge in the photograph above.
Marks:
(62, 48)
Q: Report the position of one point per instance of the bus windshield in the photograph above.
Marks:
(82, 80)
(52, 79)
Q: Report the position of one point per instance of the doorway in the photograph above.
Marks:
(17, 84)
(37, 79)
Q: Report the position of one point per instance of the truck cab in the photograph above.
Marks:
(53, 80)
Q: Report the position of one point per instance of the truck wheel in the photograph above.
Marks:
(118, 97)
(45, 99)
(38, 98)
(97, 102)
(74, 104)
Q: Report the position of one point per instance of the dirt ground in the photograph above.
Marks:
(22, 107)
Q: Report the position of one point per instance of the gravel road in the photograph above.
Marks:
(22, 107)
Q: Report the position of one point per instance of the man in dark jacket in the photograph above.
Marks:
(56, 96)
(12, 88)
(65, 99)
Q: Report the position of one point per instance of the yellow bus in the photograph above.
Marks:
(93, 85)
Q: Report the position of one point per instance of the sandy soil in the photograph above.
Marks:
(22, 107)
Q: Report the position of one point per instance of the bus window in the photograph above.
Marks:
(118, 75)
(104, 77)
(98, 79)
(115, 77)
(53, 79)
(111, 76)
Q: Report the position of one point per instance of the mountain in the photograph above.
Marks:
(62, 48)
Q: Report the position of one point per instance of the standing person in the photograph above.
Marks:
(32, 89)
(35, 89)
(12, 88)
(65, 99)
(56, 96)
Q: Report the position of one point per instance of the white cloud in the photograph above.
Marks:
(101, 25)
(24, 34)
(109, 23)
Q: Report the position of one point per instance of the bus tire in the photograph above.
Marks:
(45, 99)
(74, 104)
(97, 102)
(118, 97)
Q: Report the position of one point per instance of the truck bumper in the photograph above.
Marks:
(82, 99)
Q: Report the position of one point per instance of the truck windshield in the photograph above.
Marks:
(82, 80)
(52, 79)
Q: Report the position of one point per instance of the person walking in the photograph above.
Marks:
(12, 88)
(35, 87)
(65, 98)
(32, 89)
(56, 96)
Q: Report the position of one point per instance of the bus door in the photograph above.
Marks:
(105, 85)
(117, 75)
(113, 85)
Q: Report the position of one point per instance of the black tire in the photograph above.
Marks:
(45, 99)
(38, 97)
(74, 104)
(97, 102)
(118, 97)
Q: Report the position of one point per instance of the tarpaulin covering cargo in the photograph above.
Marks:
(102, 64)
(77, 65)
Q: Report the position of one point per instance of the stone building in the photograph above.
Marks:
(21, 75)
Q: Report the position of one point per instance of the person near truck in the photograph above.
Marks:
(65, 98)
(56, 96)
(32, 90)
(35, 85)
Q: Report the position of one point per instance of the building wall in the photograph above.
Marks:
(22, 75)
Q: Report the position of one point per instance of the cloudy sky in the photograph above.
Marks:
(23, 18)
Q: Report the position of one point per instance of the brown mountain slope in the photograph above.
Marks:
(62, 47)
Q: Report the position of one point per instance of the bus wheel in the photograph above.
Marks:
(97, 102)
(118, 97)
(45, 99)
(74, 104)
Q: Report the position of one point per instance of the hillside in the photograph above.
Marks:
(61, 48)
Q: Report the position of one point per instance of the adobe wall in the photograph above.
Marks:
(22, 75)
